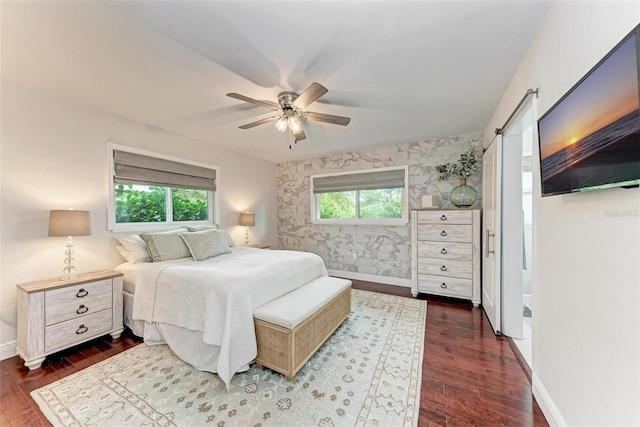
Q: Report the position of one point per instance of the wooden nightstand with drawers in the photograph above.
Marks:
(57, 314)
(446, 253)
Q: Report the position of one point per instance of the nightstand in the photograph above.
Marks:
(56, 314)
(260, 246)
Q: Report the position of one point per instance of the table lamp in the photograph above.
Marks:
(69, 223)
(248, 219)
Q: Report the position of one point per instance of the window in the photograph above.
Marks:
(149, 190)
(375, 196)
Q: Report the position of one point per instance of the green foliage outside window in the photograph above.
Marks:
(189, 205)
(373, 204)
(381, 204)
(139, 203)
(338, 205)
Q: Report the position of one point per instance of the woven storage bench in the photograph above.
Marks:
(291, 328)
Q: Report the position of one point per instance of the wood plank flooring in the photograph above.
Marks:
(470, 377)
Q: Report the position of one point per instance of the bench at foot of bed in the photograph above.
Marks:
(291, 328)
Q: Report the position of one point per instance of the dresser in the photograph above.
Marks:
(445, 256)
(56, 314)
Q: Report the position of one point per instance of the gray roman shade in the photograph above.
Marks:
(359, 181)
(132, 168)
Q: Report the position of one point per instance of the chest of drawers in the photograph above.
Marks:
(446, 253)
(57, 314)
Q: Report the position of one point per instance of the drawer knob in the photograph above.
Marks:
(443, 233)
(82, 309)
(81, 329)
(443, 218)
(443, 251)
(443, 268)
(82, 293)
(443, 286)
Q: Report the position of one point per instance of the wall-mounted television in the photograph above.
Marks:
(590, 139)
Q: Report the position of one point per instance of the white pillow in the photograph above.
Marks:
(135, 247)
(124, 252)
(205, 244)
(203, 227)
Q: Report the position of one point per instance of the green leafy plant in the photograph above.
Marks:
(462, 169)
(134, 205)
(148, 204)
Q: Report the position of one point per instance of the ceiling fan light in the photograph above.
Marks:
(294, 124)
(281, 124)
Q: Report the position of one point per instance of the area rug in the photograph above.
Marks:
(368, 373)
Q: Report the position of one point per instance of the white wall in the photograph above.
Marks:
(586, 331)
(54, 157)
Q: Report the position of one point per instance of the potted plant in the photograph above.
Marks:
(462, 196)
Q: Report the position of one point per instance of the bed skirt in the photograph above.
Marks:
(186, 344)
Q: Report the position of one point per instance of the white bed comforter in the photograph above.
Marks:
(218, 296)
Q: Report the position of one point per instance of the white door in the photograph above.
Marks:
(491, 201)
(512, 231)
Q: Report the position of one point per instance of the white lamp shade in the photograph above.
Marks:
(69, 223)
(247, 219)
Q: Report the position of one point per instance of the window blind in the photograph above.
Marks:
(359, 181)
(133, 168)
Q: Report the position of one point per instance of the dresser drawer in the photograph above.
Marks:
(445, 233)
(448, 286)
(76, 309)
(445, 267)
(73, 301)
(66, 334)
(445, 250)
(445, 217)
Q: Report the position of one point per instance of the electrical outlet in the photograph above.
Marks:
(355, 255)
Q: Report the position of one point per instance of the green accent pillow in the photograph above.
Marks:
(166, 246)
(225, 233)
(205, 244)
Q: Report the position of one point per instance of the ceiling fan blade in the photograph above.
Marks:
(327, 118)
(310, 94)
(265, 104)
(300, 135)
(259, 122)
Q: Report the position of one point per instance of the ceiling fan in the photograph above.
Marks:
(290, 109)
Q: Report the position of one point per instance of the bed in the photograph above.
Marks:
(204, 309)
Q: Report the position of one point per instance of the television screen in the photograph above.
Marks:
(590, 139)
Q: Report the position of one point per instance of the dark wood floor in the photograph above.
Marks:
(470, 377)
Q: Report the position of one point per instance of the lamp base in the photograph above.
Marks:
(69, 270)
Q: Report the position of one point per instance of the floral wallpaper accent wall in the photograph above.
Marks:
(380, 250)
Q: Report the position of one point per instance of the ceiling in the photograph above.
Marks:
(403, 71)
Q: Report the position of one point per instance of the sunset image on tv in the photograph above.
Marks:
(592, 137)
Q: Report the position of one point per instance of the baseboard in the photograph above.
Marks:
(396, 281)
(549, 409)
(7, 350)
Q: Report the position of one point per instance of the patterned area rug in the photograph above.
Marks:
(368, 373)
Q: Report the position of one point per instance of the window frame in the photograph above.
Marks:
(212, 196)
(315, 201)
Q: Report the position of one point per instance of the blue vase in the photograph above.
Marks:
(463, 196)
